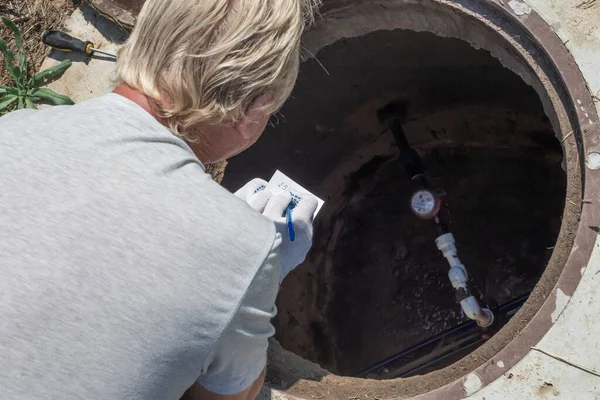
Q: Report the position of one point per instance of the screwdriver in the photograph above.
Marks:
(64, 42)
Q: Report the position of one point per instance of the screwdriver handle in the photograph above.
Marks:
(65, 42)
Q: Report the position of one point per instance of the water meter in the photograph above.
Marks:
(425, 204)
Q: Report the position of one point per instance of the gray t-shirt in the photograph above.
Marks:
(125, 271)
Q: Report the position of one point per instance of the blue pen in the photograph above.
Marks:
(288, 217)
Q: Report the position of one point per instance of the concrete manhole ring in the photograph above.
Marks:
(526, 45)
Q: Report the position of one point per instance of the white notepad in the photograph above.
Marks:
(280, 183)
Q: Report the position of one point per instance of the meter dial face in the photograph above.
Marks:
(424, 204)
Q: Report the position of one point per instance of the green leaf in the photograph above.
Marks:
(9, 58)
(8, 90)
(20, 104)
(49, 75)
(23, 66)
(7, 101)
(29, 103)
(18, 38)
(5, 50)
(51, 96)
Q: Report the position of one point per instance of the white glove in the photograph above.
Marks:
(292, 253)
(254, 194)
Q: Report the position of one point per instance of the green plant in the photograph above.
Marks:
(27, 90)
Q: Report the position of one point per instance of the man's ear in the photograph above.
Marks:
(256, 118)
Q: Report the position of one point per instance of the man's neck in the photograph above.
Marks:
(137, 97)
(142, 100)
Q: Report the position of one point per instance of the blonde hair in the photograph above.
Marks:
(207, 61)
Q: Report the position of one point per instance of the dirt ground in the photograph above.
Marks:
(394, 292)
(388, 287)
(33, 17)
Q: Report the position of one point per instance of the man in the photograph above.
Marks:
(127, 273)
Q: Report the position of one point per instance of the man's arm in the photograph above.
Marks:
(197, 392)
(234, 369)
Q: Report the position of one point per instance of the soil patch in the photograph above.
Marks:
(390, 289)
(33, 18)
(376, 284)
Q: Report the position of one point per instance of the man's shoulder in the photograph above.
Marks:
(208, 211)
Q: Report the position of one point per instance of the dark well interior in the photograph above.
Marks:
(374, 283)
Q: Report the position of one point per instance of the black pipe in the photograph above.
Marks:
(439, 359)
(509, 308)
(409, 158)
(393, 115)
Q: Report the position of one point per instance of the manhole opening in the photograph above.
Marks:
(375, 283)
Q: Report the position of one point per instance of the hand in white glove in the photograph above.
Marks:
(254, 194)
(292, 253)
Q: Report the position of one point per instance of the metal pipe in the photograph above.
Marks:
(106, 53)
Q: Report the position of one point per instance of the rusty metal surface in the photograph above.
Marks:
(124, 12)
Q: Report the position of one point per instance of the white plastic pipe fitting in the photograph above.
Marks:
(458, 272)
(459, 278)
(473, 310)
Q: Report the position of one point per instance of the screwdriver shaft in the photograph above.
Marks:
(106, 53)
